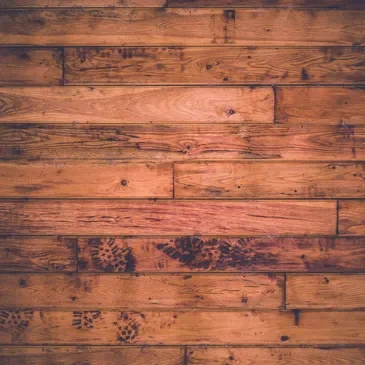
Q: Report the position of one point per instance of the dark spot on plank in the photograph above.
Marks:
(23, 283)
(326, 280)
(284, 338)
(124, 182)
(229, 14)
(305, 75)
(128, 326)
(296, 313)
(85, 319)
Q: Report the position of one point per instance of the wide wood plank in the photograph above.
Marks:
(233, 254)
(173, 292)
(351, 217)
(108, 217)
(332, 105)
(182, 27)
(37, 254)
(218, 180)
(31, 66)
(86, 180)
(325, 291)
(182, 142)
(133, 105)
(209, 65)
(100, 327)
(81, 3)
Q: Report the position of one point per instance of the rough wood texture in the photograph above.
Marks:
(182, 27)
(325, 291)
(182, 142)
(209, 65)
(37, 254)
(107, 217)
(333, 105)
(351, 217)
(81, 3)
(86, 180)
(30, 66)
(137, 105)
(218, 180)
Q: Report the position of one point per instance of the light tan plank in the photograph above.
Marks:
(351, 217)
(81, 3)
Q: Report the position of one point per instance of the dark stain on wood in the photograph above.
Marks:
(85, 319)
(128, 326)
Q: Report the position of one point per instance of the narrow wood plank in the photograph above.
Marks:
(182, 27)
(133, 105)
(30, 66)
(163, 292)
(212, 254)
(23, 327)
(332, 291)
(10, 4)
(218, 180)
(108, 217)
(274, 356)
(86, 180)
(209, 65)
(71, 355)
(351, 217)
(332, 105)
(37, 254)
(182, 142)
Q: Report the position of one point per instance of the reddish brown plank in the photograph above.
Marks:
(81, 3)
(351, 217)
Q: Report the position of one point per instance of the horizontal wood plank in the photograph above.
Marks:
(332, 105)
(218, 180)
(182, 27)
(351, 217)
(209, 65)
(133, 105)
(31, 66)
(325, 291)
(86, 180)
(9, 4)
(108, 217)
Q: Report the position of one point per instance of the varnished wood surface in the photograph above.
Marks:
(351, 218)
(81, 3)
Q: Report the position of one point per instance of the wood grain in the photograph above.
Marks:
(182, 27)
(334, 105)
(209, 65)
(182, 142)
(30, 66)
(136, 105)
(37, 254)
(218, 180)
(325, 291)
(86, 180)
(80, 3)
(108, 217)
(351, 217)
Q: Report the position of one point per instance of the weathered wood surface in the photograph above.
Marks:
(31, 66)
(182, 27)
(351, 217)
(37, 254)
(108, 217)
(182, 142)
(137, 105)
(81, 3)
(325, 291)
(332, 105)
(86, 180)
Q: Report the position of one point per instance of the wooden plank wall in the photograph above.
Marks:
(182, 182)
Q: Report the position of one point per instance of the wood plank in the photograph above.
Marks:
(9, 4)
(182, 27)
(37, 254)
(86, 180)
(130, 217)
(174, 328)
(332, 105)
(264, 180)
(332, 291)
(163, 292)
(182, 142)
(72, 355)
(274, 356)
(133, 105)
(31, 66)
(209, 65)
(216, 254)
(351, 217)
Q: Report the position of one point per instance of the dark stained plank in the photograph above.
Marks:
(264, 180)
(331, 105)
(37, 254)
(81, 3)
(163, 292)
(86, 180)
(351, 217)
(209, 65)
(182, 142)
(137, 105)
(219, 254)
(130, 217)
(182, 27)
(332, 291)
(30, 66)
